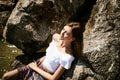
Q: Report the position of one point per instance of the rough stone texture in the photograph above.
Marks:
(102, 39)
(32, 22)
(6, 7)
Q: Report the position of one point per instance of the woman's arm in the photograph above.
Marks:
(47, 75)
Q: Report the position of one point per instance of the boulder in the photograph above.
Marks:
(102, 39)
(32, 22)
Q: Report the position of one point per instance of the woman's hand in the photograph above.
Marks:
(33, 65)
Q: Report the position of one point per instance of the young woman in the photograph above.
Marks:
(58, 58)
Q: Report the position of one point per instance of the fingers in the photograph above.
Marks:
(38, 62)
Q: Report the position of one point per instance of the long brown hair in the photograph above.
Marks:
(77, 33)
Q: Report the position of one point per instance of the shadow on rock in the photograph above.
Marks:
(25, 59)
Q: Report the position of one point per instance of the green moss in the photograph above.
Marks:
(8, 54)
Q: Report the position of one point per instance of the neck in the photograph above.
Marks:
(65, 44)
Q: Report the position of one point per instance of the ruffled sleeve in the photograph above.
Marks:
(66, 60)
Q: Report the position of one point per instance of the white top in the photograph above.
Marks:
(54, 58)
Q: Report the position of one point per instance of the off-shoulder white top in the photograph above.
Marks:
(54, 58)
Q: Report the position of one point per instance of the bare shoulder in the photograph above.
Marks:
(56, 37)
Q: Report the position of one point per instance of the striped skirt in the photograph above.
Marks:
(26, 73)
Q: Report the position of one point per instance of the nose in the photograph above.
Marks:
(62, 33)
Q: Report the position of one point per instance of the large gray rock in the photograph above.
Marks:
(102, 39)
(32, 22)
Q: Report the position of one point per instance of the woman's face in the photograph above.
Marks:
(66, 33)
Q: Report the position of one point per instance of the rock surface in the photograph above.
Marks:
(102, 39)
(6, 7)
(32, 22)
